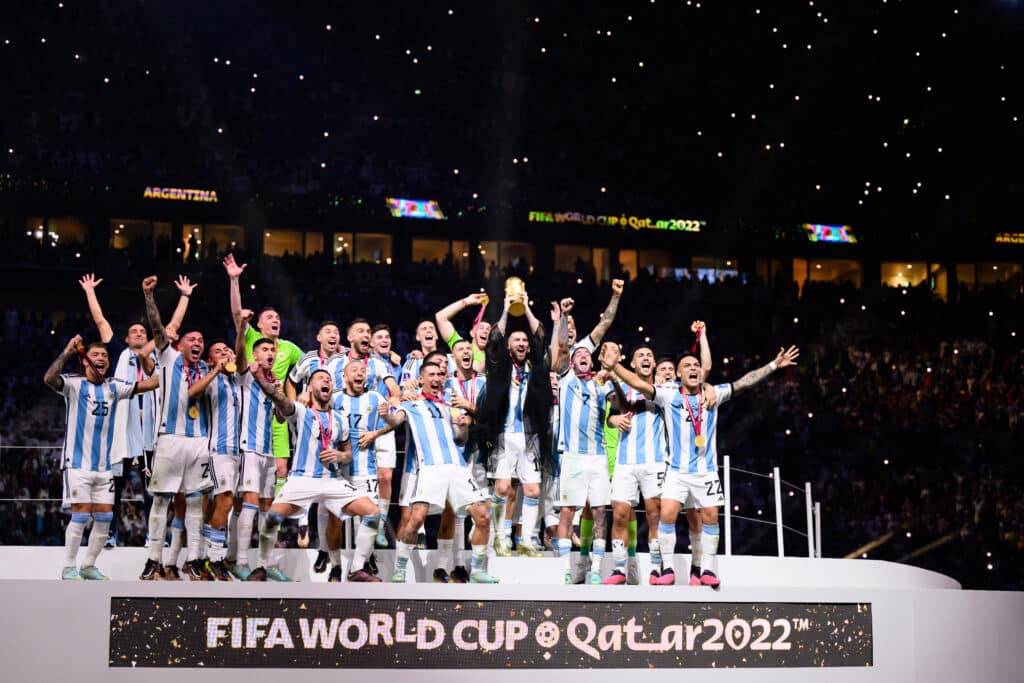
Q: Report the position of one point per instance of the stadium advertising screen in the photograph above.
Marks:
(415, 208)
(818, 232)
(619, 221)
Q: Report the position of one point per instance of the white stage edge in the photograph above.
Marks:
(923, 627)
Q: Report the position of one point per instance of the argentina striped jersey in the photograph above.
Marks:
(257, 416)
(430, 437)
(644, 443)
(684, 454)
(174, 402)
(222, 394)
(91, 411)
(361, 416)
(581, 406)
(306, 425)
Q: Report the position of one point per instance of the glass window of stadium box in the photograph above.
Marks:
(713, 269)
(313, 243)
(903, 273)
(828, 270)
(966, 277)
(522, 256)
(460, 255)
(342, 242)
(1005, 275)
(656, 262)
(427, 251)
(373, 248)
(768, 269)
(125, 232)
(279, 242)
(628, 263)
(938, 280)
(191, 242)
(219, 238)
(594, 262)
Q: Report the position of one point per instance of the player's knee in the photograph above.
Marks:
(384, 477)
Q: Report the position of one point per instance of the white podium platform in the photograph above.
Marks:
(774, 619)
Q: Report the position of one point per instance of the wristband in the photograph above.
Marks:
(185, 295)
(773, 366)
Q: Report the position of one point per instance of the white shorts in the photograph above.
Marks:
(478, 471)
(439, 483)
(584, 479)
(384, 451)
(333, 494)
(630, 480)
(409, 480)
(181, 463)
(549, 501)
(694, 490)
(86, 486)
(224, 472)
(258, 474)
(516, 457)
(366, 485)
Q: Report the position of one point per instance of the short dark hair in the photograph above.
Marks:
(380, 327)
(427, 364)
(457, 342)
(262, 340)
(326, 372)
(426, 320)
(435, 354)
(688, 354)
(141, 323)
(96, 345)
(265, 309)
(218, 341)
(641, 346)
(356, 321)
(325, 323)
(187, 330)
(665, 359)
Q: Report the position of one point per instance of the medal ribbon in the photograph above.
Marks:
(432, 397)
(469, 395)
(696, 420)
(325, 431)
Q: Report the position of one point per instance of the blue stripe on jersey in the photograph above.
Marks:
(172, 402)
(97, 432)
(419, 426)
(222, 415)
(78, 443)
(300, 462)
(694, 402)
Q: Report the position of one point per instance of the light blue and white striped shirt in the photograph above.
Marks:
(581, 404)
(361, 414)
(308, 444)
(644, 443)
(376, 371)
(430, 437)
(175, 379)
(223, 394)
(257, 416)
(139, 419)
(91, 411)
(684, 455)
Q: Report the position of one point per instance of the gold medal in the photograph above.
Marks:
(193, 412)
(699, 441)
(230, 367)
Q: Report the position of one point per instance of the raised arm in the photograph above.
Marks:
(52, 376)
(502, 323)
(283, 405)
(148, 384)
(699, 327)
(785, 358)
(443, 318)
(244, 316)
(608, 316)
(199, 388)
(145, 361)
(153, 313)
(559, 339)
(531, 320)
(185, 289)
(89, 283)
(610, 358)
(234, 272)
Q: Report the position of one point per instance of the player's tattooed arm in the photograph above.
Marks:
(241, 320)
(283, 405)
(785, 358)
(608, 316)
(153, 313)
(234, 272)
(52, 376)
(559, 339)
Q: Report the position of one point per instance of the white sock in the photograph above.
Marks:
(97, 537)
(619, 554)
(334, 554)
(654, 545)
(695, 549)
(321, 527)
(193, 524)
(232, 551)
(73, 537)
(460, 538)
(709, 546)
(597, 551)
(365, 536)
(269, 526)
(444, 554)
(565, 552)
(382, 521)
(402, 551)
(667, 541)
(157, 526)
(528, 523)
(244, 531)
(479, 559)
(177, 540)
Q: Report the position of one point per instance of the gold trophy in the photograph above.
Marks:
(516, 288)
